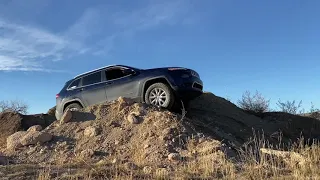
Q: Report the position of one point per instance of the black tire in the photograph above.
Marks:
(168, 103)
(74, 106)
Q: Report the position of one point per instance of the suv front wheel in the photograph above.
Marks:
(159, 94)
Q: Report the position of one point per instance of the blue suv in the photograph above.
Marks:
(158, 86)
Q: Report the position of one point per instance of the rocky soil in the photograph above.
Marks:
(143, 138)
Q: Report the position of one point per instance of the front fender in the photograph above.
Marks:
(145, 81)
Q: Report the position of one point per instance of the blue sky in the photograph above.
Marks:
(270, 46)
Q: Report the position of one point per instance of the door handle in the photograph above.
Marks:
(109, 83)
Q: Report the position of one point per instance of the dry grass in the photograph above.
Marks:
(299, 162)
(252, 164)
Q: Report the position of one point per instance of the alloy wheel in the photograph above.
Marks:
(158, 97)
(73, 109)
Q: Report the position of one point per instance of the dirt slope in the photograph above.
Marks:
(216, 115)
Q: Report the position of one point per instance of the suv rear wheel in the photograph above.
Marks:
(159, 94)
(73, 107)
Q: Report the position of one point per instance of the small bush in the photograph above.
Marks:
(13, 106)
(313, 109)
(256, 103)
(290, 107)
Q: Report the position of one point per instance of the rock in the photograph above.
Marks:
(132, 118)
(141, 109)
(35, 137)
(31, 150)
(163, 138)
(115, 160)
(35, 128)
(115, 124)
(116, 142)
(101, 162)
(88, 153)
(146, 146)
(126, 101)
(288, 157)
(174, 157)
(130, 166)
(42, 151)
(147, 170)
(91, 131)
(14, 142)
(66, 117)
(201, 140)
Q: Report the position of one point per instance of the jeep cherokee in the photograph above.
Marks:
(158, 86)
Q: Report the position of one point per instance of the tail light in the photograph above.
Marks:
(57, 95)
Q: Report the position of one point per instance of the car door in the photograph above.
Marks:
(93, 89)
(121, 82)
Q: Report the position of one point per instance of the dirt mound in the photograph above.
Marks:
(128, 131)
(135, 136)
(104, 133)
(216, 115)
(11, 122)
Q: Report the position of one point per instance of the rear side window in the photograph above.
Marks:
(91, 79)
(74, 84)
(114, 74)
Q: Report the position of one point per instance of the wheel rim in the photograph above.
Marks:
(158, 97)
(73, 109)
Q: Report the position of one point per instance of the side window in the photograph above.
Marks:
(91, 79)
(115, 73)
(74, 84)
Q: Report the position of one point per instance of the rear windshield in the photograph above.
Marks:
(74, 84)
(66, 84)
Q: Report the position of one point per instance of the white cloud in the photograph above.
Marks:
(86, 26)
(128, 23)
(12, 64)
(152, 15)
(26, 48)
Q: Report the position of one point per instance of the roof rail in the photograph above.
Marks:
(96, 70)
